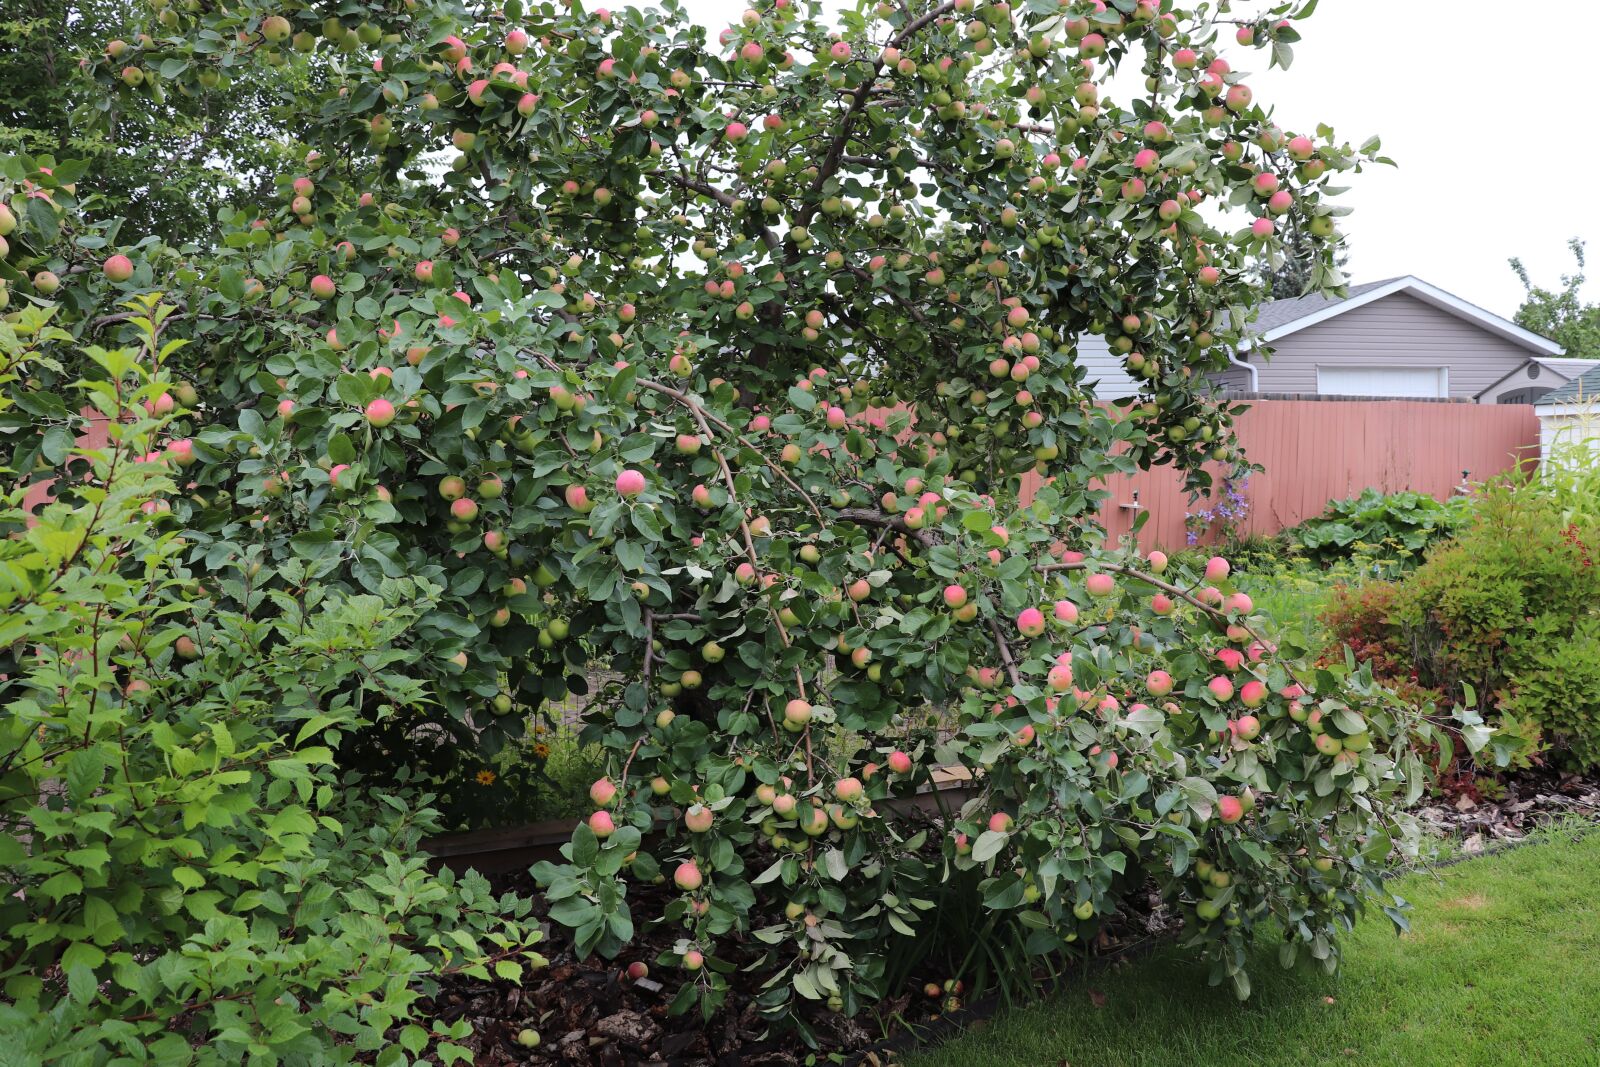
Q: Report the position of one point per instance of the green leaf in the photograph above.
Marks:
(989, 844)
(341, 449)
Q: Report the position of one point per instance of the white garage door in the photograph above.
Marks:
(1383, 381)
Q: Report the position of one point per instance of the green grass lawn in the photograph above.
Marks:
(1501, 967)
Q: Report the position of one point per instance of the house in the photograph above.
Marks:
(1399, 338)
(1569, 417)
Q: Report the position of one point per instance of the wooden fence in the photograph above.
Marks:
(1315, 451)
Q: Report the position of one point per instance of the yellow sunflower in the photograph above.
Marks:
(541, 751)
(486, 777)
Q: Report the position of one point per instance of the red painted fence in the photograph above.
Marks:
(1315, 451)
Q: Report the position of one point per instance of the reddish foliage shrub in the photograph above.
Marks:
(1359, 619)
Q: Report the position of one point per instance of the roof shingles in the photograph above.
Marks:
(1282, 312)
(1583, 389)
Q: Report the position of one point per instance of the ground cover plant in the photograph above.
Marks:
(1467, 985)
(772, 497)
(1401, 526)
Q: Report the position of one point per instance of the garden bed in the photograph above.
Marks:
(588, 1012)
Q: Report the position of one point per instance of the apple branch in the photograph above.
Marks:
(1166, 587)
(700, 413)
(835, 156)
(873, 517)
(693, 185)
(1005, 651)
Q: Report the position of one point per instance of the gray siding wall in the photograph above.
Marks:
(1103, 372)
(1232, 380)
(1398, 330)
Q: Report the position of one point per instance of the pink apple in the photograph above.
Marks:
(698, 818)
(1161, 604)
(688, 877)
(380, 412)
(1000, 822)
(1158, 683)
(899, 762)
(1158, 562)
(1221, 688)
(602, 826)
(1065, 612)
(1253, 694)
(118, 268)
(1060, 678)
(630, 483)
(954, 596)
(1247, 727)
(1230, 809)
(1238, 602)
(578, 499)
(1030, 622)
(1217, 569)
(323, 287)
(1100, 584)
(603, 792)
(464, 510)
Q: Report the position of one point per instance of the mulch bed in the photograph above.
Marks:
(589, 1013)
(1481, 815)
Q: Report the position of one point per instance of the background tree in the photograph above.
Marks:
(164, 161)
(1298, 267)
(1561, 315)
(716, 369)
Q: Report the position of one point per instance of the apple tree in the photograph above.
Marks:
(711, 369)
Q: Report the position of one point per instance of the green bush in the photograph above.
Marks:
(183, 876)
(1394, 525)
(1509, 610)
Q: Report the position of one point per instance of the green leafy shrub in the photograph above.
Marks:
(1511, 609)
(184, 878)
(1395, 525)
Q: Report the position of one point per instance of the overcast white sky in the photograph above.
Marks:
(1491, 119)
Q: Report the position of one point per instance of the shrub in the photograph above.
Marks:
(1359, 617)
(1400, 526)
(184, 878)
(1509, 610)
(752, 494)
